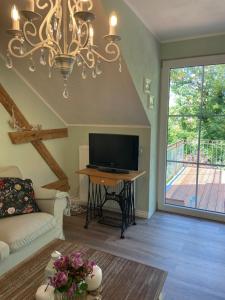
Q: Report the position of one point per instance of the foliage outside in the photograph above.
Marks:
(197, 97)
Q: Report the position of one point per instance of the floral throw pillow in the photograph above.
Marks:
(16, 197)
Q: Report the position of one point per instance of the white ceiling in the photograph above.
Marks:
(181, 19)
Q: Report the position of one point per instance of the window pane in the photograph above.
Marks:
(185, 90)
(183, 139)
(214, 90)
(181, 184)
(212, 147)
(211, 189)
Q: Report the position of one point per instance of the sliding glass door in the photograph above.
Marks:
(195, 152)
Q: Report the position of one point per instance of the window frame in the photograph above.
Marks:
(163, 130)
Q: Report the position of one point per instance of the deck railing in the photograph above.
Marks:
(211, 152)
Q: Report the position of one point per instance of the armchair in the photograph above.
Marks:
(23, 235)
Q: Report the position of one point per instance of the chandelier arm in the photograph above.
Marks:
(85, 43)
(72, 9)
(74, 52)
(38, 46)
(44, 5)
(115, 52)
(89, 61)
(46, 25)
(27, 33)
(58, 34)
(51, 58)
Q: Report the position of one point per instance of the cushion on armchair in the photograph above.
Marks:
(16, 197)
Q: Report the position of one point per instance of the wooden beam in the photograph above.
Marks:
(49, 159)
(21, 137)
(61, 185)
(9, 104)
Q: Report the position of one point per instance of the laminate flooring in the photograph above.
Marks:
(191, 250)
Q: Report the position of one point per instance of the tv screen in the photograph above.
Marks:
(114, 151)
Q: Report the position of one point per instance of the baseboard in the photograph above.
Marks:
(139, 213)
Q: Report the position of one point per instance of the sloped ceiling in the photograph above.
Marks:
(109, 99)
(181, 19)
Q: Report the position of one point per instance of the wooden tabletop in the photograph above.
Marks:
(122, 278)
(131, 176)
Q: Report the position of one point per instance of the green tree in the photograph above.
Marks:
(189, 102)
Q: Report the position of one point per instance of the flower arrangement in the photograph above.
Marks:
(71, 272)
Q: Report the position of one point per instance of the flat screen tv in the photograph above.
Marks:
(113, 152)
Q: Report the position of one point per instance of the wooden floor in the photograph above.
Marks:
(191, 250)
(211, 189)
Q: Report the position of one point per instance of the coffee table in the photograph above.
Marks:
(122, 278)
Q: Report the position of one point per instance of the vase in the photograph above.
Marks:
(64, 296)
(94, 280)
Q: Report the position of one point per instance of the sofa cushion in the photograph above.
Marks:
(4, 250)
(16, 197)
(20, 231)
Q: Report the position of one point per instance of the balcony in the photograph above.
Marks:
(183, 175)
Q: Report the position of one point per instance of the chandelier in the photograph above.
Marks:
(64, 36)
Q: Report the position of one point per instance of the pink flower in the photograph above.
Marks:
(76, 260)
(59, 280)
(89, 266)
(62, 263)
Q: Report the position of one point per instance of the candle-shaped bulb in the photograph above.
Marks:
(113, 23)
(15, 14)
(91, 35)
(15, 18)
(29, 5)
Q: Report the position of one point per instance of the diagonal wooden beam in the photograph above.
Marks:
(22, 137)
(9, 104)
(61, 185)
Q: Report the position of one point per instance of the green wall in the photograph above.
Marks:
(141, 52)
(79, 137)
(194, 47)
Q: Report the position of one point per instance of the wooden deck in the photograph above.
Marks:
(211, 191)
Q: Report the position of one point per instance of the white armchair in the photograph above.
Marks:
(21, 236)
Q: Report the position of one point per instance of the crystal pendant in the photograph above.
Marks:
(71, 24)
(43, 58)
(84, 72)
(98, 67)
(65, 91)
(120, 65)
(22, 49)
(50, 31)
(59, 35)
(94, 75)
(55, 24)
(9, 62)
(79, 62)
(32, 65)
(50, 72)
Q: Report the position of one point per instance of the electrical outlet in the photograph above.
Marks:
(147, 86)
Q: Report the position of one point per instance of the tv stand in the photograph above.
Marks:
(115, 171)
(105, 186)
